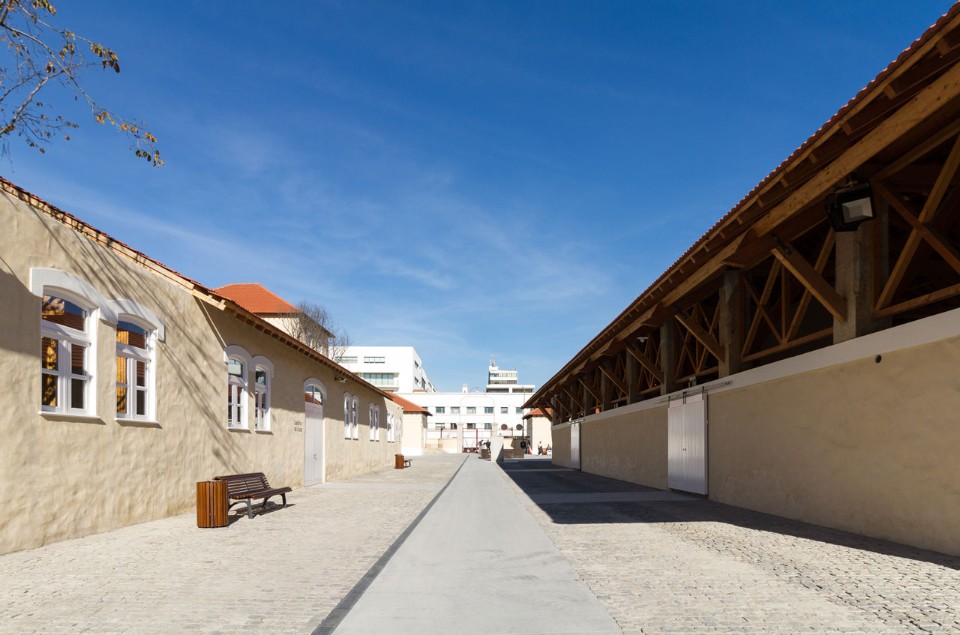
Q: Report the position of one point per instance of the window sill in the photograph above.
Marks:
(63, 416)
(237, 429)
(264, 431)
(139, 423)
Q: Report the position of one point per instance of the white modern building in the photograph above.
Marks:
(505, 381)
(462, 420)
(394, 368)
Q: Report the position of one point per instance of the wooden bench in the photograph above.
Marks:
(243, 488)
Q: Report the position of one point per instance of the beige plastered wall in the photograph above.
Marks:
(414, 433)
(629, 446)
(67, 477)
(561, 446)
(862, 446)
(540, 432)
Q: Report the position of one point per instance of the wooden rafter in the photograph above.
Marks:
(617, 381)
(810, 278)
(702, 336)
(930, 209)
(651, 367)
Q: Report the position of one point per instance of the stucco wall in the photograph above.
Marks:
(561, 446)
(863, 446)
(629, 446)
(66, 477)
(414, 433)
(540, 432)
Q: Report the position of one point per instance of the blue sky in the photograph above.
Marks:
(471, 179)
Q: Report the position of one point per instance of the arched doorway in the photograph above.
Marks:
(314, 396)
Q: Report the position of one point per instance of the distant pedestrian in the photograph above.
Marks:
(540, 447)
(523, 446)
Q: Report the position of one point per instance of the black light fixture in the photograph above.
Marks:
(849, 206)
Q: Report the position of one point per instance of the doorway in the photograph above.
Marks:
(687, 444)
(313, 459)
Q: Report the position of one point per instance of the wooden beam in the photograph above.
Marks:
(616, 380)
(941, 245)
(927, 214)
(646, 362)
(701, 335)
(812, 280)
(589, 389)
(921, 107)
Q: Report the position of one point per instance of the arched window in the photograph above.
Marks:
(238, 365)
(390, 432)
(262, 387)
(355, 417)
(136, 397)
(313, 393)
(67, 353)
(346, 416)
(374, 422)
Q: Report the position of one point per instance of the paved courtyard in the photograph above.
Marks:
(657, 562)
(664, 563)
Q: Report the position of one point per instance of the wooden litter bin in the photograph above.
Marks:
(398, 461)
(212, 504)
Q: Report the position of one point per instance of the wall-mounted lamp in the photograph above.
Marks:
(849, 206)
(340, 379)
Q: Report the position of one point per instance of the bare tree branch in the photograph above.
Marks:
(40, 54)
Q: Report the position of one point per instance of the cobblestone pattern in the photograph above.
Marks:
(702, 567)
(281, 572)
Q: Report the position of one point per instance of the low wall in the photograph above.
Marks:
(634, 445)
(561, 446)
(863, 446)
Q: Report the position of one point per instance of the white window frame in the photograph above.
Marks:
(132, 355)
(66, 338)
(355, 418)
(374, 413)
(238, 400)
(347, 400)
(391, 435)
(262, 395)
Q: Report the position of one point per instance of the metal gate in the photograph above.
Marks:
(687, 444)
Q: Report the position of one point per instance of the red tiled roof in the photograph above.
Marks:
(536, 412)
(409, 406)
(256, 298)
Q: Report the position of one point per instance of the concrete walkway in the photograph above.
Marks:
(477, 563)
(523, 547)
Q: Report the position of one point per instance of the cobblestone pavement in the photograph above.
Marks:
(665, 564)
(281, 572)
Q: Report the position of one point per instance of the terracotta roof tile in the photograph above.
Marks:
(409, 406)
(256, 298)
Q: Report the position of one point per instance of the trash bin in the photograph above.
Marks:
(484, 453)
(398, 461)
(212, 504)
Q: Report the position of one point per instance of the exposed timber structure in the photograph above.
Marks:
(773, 278)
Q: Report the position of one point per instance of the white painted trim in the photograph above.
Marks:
(319, 384)
(41, 278)
(264, 363)
(149, 319)
(237, 351)
(917, 333)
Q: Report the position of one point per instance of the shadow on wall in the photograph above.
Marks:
(14, 325)
(183, 353)
(573, 497)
